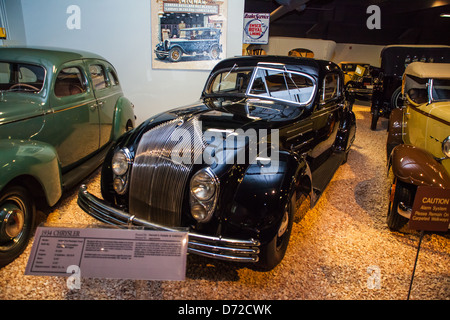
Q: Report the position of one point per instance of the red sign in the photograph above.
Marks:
(431, 209)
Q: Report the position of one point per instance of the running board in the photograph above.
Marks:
(323, 175)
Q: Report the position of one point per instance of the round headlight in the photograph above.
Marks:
(446, 147)
(203, 185)
(119, 185)
(120, 162)
(199, 212)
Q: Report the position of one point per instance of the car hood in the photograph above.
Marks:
(219, 113)
(438, 110)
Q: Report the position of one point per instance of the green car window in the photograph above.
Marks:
(69, 82)
(21, 77)
(98, 76)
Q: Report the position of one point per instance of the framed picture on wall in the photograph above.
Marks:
(188, 34)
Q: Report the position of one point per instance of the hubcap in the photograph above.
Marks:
(284, 224)
(12, 222)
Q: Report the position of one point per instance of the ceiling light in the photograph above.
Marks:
(445, 15)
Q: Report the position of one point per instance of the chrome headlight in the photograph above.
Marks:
(203, 185)
(120, 165)
(120, 162)
(446, 147)
(204, 189)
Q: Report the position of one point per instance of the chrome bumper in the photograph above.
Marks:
(203, 245)
(162, 52)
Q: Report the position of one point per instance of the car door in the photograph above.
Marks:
(326, 119)
(74, 129)
(107, 90)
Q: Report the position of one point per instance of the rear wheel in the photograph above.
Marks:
(214, 52)
(375, 116)
(17, 219)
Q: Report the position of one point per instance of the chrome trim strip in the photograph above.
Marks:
(204, 245)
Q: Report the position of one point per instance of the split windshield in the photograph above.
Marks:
(21, 77)
(269, 83)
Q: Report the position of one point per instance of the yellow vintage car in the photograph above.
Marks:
(418, 144)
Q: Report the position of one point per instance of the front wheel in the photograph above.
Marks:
(16, 222)
(175, 54)
(273, 252)
(400, 193)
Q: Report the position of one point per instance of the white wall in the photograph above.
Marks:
(323, 49)
(121, 32)
(12, 18)
(358, 53)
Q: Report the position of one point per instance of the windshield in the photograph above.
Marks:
(21, 77)
(270, 83)
(441, 90)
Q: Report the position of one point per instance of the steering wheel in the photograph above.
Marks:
(24, 85)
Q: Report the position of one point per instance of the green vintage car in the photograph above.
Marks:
(418, 144)
(59, 112)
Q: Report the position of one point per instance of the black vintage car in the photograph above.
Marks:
(233, 168)
(192, 41)
(387, 94)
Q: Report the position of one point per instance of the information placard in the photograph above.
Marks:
(431, 209)
(109, 253)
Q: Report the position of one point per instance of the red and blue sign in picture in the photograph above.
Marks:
(256, 28)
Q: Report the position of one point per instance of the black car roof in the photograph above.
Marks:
(314, 67)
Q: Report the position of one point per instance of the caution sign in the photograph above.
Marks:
(256, 28)
(431, 209)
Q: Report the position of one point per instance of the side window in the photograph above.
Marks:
(98, 76)
(69, 82)
(282, 85)
(113, 78)
(330, 87)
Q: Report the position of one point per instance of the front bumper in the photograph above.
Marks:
(203, 245)
(162, 52)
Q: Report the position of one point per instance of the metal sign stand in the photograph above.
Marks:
(415, 262)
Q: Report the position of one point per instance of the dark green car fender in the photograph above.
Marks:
(124, 112)
(24, 159)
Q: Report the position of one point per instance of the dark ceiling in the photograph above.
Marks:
(345, 21)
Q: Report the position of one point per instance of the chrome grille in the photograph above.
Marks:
(158, 182)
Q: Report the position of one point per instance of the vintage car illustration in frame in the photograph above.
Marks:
(386, 95)
(192, 41)
(418, 144)
(289, 129)
(60, 110)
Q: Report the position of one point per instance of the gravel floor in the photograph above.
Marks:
(328, 258)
